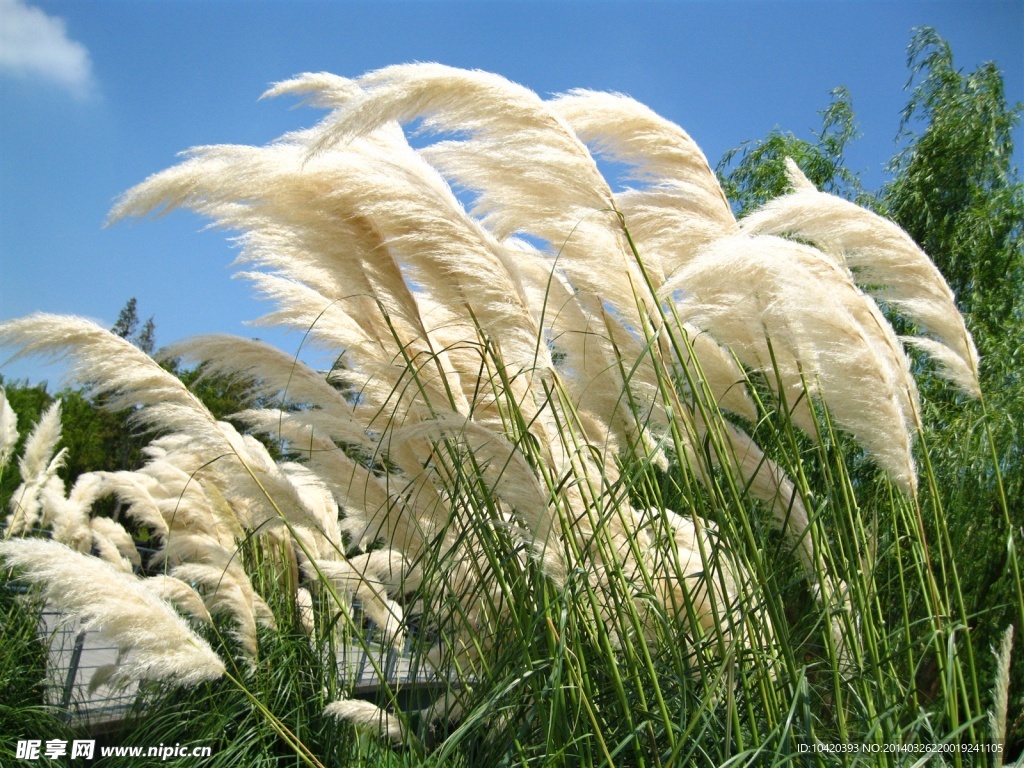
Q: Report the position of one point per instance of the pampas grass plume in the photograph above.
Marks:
(367, 715)
(155, 643)
(38, 467)
(1000, 694)
(8, 429)
(883, 258)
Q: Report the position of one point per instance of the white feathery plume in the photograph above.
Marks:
(1000, 694)
(225, 593)
(68, 517)
(296, 220)
(107, 365)
(225, 586)
(454, 207)
(669, 228)
(464, 101)
(768, 483)
(111, 540)
(506, 475)
(51, 504)
(109, 552)
(222, 458)
(597, 356)
(103, 676)
(26, 505)
(724, 377)
(320, 89)
(383, 182)
(714, 590)
(113, 366)
(330, 325)
(304, 606)
(155, 642)
(581, 327)
(367, 715)
(184, 546)
(448, 255)
(268, 371)
(949, 363)
(38, 455)
(825, 334)
(203, 561)
(133, 490)
(355, 579)
(531, 172)
(8, 429)
(662, 154)
(261, 482)
(182, 500)
(585, 335)
(185, 184)
(684, 210)
(599, 353)
(443, 251)
(185, 495)
(373, 508)
(885, 260)
(289, 222)
(318, 500)
(38, 466)
(292, 222)
(180, 594)
(499, 375)
(623, 130)
(392, 569)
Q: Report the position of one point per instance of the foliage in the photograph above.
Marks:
(755, 172)
(24, 712)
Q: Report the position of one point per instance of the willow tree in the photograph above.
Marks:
(955, 188)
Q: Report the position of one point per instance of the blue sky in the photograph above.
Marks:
(96, 95)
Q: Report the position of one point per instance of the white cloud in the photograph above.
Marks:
(33, 43)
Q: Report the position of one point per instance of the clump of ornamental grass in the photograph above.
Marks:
(592, 457)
